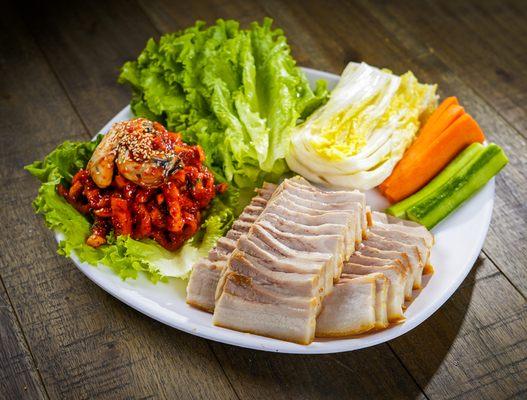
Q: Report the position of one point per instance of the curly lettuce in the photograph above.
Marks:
(238, 93)
(124, 255)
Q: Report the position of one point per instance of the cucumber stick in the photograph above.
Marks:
(465, 183)
(399, 209)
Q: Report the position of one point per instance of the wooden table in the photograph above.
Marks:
(63, 337)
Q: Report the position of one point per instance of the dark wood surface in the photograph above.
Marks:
(63, 337)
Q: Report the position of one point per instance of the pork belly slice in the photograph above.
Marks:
(202, 285)
(346, 217)
(286, 225)
(395, 274)
(332, 196)
(349, 309)
(403, 225)
(329, 200)
(332, 245)
(267, 187)
(312, 207)
(313, 220)
(294, 263)
(411, 252)
(224, 247)
(411, 228)
(320, 263)
(245, 307)
(264, 273)
(390, 232)
(390, 256)
(206, 273)
(248, 218)
(241, 226)
(346, 201)
(382, 285)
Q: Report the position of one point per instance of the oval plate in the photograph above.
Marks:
(459, 240)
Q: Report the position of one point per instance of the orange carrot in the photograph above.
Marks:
(441, 119)
(449, 101)
(430, 157)
(431, 131)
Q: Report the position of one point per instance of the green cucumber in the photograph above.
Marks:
(465, 183)
(399, 209)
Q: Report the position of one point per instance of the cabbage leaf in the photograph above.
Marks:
(357, 137)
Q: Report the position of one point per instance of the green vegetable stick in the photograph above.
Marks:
(399, 209)
(464, 184)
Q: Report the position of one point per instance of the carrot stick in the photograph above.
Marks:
(440, 120)
(449, 101)
(431, 131)
(432, 157)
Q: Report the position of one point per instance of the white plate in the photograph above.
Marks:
(458, 242)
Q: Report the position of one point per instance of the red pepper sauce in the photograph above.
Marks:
(170, 214)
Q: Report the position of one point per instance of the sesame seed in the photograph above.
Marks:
(134, 140)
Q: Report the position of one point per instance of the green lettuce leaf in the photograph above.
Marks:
(124, 255)
(238, 93)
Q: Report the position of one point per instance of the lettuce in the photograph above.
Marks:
(124, 255)
(238, 93)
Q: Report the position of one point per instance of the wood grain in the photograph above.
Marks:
(86, 43)
(18, 374)
(464, 351)
(86, 343)
(483, 42)
(375, 372)
(59, 69)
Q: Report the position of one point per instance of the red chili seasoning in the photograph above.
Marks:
(169, 213)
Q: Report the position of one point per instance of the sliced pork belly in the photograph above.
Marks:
(331, 261)
(246, 307)
(281, 268)
(241, 226)
(327, 244)
(390, 232)
(315, 219)
(410, 227)
(286, 225)
(411, 252)
(248, 218)
(395, 274)
(268, 188)
(349, 309)
(206, 273)
(201, 288)
(354, 209)
(329, 200)
(359, 258)
(295, 261)
(331, 196)
(224, 247)
(265, 273)
(346, 217)
(382, 285)
(368, 251)
(256, 252)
